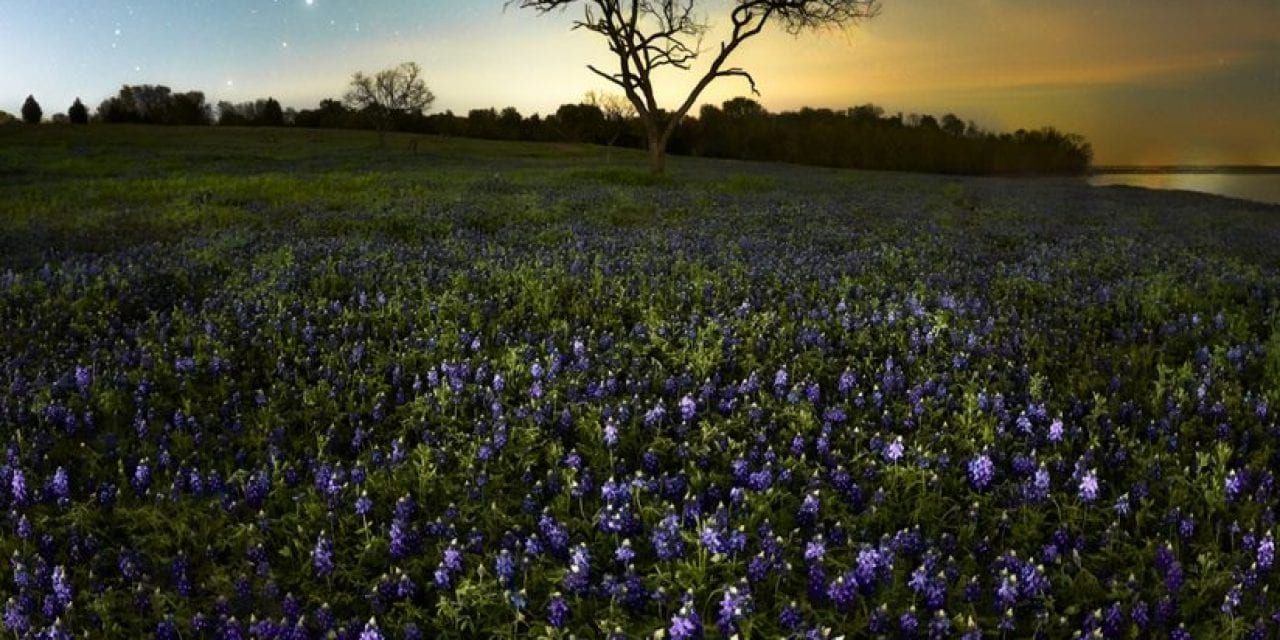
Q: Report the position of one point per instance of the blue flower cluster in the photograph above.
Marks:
(807, 412)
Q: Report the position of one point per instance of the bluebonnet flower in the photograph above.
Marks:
(557, 611)
(624, 554)
(666, 539)
(1266, 556)
(847, 382)
(981, 472)
(734, 606)
(843, 591)
(1123, 505)
(790, 618)
(60, 486)
(371, 631)
(908, 623)
(688, 408)
(450, 565)
(61, 586)
(505, 568)
(578, 579)
(815, 549)
(610, 434)
(166, 629)
(685, 625)
(18, 487)
(873, 566)
(363, 504)
(780, 380)
(808, 513)
(1235, 485)
(1089, 487)
(1056, 431)
(893, 453)
(322, 556)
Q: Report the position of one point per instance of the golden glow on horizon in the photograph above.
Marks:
(1146, 81)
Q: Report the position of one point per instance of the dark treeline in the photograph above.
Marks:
(862, 137)
(857, 138)
(865, 138)
(155, 104)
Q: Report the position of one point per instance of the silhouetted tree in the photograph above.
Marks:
(647, 36)
(580, 122)
(330, 114)
(231, 115)
(188, 109)
(272, 114)
(78, 113)
(953, 125)
(389, 92)
(31, 111)
(155, 104)
(258, 113)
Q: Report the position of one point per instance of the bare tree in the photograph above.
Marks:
(388, 93)
(618, 112)
(649, 35)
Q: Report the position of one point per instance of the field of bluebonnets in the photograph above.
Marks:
(297, 386)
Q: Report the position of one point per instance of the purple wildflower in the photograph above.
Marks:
(685, 625)
(557, 611)
(322, 556)
(981, 472)
(1089, 487)
(371, 631)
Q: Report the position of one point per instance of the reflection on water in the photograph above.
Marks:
(1263, 187)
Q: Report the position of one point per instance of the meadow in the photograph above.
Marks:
(291, 384)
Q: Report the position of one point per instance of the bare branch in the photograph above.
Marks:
(647, 35)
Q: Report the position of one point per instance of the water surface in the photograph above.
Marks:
(1263, 187)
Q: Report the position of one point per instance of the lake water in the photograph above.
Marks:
(1263, 187)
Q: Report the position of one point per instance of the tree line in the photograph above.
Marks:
(862, 137)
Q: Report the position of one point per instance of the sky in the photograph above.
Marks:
(1146, 81)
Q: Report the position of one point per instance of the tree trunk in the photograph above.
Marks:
(657, 154)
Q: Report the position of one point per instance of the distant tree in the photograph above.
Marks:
(331, 114)
(647, 36)
(866, 114)
(31, 111)
(230, 115)
(155, 104)
(6, 118)
(272, 115)
(60, 118)
(78, 113)
(580, 122)
(743, 108)
(188, 109)
(510, 124)
(953, 125)
(482, 123)
(389, 92)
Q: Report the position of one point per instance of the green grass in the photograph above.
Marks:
(104, 188)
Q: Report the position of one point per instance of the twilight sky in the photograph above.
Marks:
(1146, 81)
